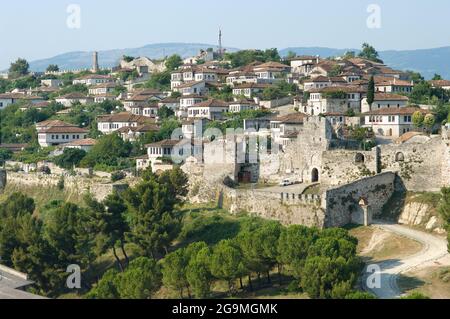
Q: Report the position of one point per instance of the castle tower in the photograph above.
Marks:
(95, 67)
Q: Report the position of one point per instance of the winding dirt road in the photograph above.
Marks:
(434, 252)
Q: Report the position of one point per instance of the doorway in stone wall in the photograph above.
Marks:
(315, 175)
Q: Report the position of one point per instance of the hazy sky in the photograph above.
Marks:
(38, 29)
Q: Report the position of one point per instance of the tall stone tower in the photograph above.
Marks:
(95, 67)
(220, 52)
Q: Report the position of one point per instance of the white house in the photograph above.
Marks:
(284, 129)
(84, 144)
(187, 101)
(103, 88)
(132, 133)
(211, 109)
(69, 99)
(111, 123)
(171, 103)
(391, 122)
(334, 99)
(93, 79)
(322, 82)
(303, 64)
(160, 155)
(149, 110)
(11, 98)
(207, 75)
(394, 85)
(271, 72)
(443, 84)
(242, 105)
(384, 100)
(59, 133)
(194, 128)
(194, 87)
(249, 90)
(52, 83)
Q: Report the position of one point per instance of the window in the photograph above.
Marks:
(399, 157)
(359, 158)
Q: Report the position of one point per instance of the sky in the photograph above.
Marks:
(39, 29)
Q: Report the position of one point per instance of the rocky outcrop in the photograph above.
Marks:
(422, 215)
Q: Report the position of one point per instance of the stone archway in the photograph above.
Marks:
(315, 175)
(362, 214)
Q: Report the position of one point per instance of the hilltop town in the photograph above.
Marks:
(299, 141)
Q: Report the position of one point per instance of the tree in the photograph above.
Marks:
(52, 68)
(371, 91)
(18, 69)
(360, 295)
(164, 112)
(335, 71)
(245, 57)
(293, 247)
(106, 287)
(429, 121)
(417, 119)
(127, 58)
(108, 150)
(173, 62)
(174, 271)
(5, 155)
(368, 52)
(154, 221)
(226, 263)
(349, 55)
(141, 279)
(444, 209)
(436, 77)
(70, 158)
(416, 295)
(108, 224)
(416, 77)
(291, 55)
(17, 204)
(322, 275)
(159, 81)
(198, 272)
(66, 230)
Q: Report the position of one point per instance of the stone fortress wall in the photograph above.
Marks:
(346, 177)
(100, 188)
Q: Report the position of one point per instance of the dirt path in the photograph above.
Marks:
(434, 250)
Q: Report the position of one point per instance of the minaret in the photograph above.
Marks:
(95, 67)
(220, 43)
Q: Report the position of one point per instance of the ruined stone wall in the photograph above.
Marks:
(302, 156)
(421, 162)
(304, 210)
(342, 166)
(342, 204)
(100, 188)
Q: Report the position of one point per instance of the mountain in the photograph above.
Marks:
(426, 61)
(110, 58)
